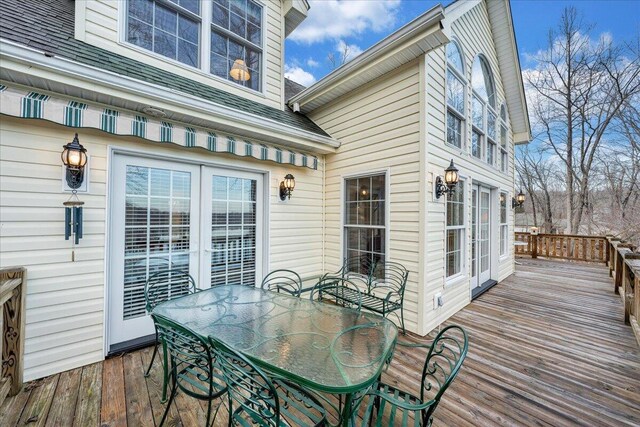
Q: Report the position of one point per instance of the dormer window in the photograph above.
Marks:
(236, 35)
(230, 32)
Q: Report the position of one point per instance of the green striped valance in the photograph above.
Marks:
(36, 105)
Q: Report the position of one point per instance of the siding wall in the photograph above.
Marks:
(378, 126)
(65, 300)
(98, 23)
(473, 32)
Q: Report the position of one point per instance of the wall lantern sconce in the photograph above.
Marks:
(239, 71)
(74, 157)
(518, 200)
(287, 186)
(451, 178)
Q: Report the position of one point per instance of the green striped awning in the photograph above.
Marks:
(38, 105)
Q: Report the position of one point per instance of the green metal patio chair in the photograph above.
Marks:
(257, 399)
(384, 283)
(160, 287)
(386, 405)
(287, 281)
(193, 368)
(341, 291)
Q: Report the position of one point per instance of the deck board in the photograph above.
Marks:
(548, 347)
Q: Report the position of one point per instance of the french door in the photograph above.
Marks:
(168, 215)
(480, 236)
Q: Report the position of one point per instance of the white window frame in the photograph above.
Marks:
(463, 240)
(503, 226)
(460, 115)
(343, 212)
(203, 69)
(504, 141)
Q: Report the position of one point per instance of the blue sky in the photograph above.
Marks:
(358, 24)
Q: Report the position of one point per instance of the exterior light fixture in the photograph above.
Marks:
(74, 157)
(451, 178)
(518, 200)
(239, 71)
(364, 191)
(287, 186)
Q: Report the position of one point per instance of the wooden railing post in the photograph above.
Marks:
(12, 299)
(534, 246)
(612, 254)
(628, 286)
(621, 250)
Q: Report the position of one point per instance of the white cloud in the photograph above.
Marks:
(333, 19)
(347, 51)
(299, 75)
(312, 63)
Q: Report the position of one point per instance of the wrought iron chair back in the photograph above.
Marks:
(287, 281)
(193, 369)
(166, 285)
(343, 292)
(257, 399)
(359, 267)
(251, 392)
(445, 357)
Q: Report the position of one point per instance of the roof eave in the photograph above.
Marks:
(427, 26)
(15, 57)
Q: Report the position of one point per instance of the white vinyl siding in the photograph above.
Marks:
(65, 299)
(472, 31)
(378, 126)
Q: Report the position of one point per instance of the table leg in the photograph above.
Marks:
(346, 410)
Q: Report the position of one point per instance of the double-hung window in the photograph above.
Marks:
(364, 223)
(504, 163)
(454, 232)
(236, 35)
(176, 29)
(455, 96)
(504, 226)
(484, 135)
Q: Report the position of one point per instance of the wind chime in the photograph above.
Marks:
(74, 157)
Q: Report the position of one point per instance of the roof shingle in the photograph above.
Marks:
(49, 26)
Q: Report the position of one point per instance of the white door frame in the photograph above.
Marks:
(185, 158)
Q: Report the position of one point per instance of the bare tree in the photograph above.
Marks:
(579, 88)
(341, 56)
(538, 174)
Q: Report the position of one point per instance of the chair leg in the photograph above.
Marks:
(165, 373)
(404, 332)
(166, 411)
(153, 357)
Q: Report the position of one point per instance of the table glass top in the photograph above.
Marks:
(319, 345)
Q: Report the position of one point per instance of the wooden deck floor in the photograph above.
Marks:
(547, 347)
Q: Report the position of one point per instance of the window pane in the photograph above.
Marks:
(478, 113)
(455, 93)
(220, 16)
(238, 25)
(377, 187)
(166, 19)
(491, 124)
(140, 34)
(491, 152)
(187, 53)
(188, 30)
(238, 6)
(190, 5)
(454, 130)
(503, 136)
(454, 57)
(142, 10)
(164, 43)
(254, 13)
(503, 155)
(476, 144)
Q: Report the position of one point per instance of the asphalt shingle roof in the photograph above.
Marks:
(49, 26)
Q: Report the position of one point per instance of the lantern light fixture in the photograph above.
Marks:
(74, 157)
(518, 200)
(287, 186)
(448, 185)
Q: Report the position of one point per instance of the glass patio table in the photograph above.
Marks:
(320, 346)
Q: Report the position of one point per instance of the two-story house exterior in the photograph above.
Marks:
(190, 128)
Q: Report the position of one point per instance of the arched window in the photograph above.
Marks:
(483, 115)
(482, 81)
(455, 95)
(504, 163)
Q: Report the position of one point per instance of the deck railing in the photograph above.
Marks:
(624, 268)
(562, 246)
(12, 311)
